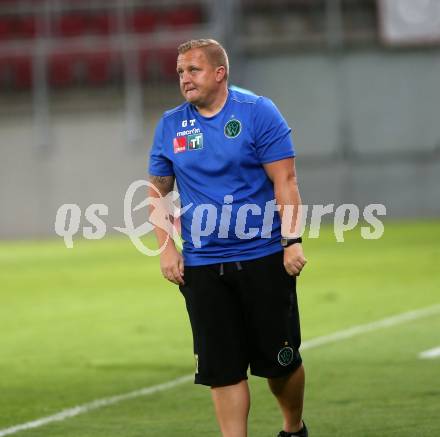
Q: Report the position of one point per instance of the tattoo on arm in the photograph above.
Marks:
(164, 184)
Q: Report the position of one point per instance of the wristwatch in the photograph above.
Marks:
(286, 242)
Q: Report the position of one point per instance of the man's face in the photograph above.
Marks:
(197, 77)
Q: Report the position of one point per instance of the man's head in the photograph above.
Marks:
(203, 69)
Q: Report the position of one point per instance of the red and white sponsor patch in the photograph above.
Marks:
(179, 144)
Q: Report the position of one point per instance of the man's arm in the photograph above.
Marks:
(171, 261)
(283, 175)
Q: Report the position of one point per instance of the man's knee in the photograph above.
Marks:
(278, 384)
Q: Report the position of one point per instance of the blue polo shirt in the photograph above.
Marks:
(218, 165)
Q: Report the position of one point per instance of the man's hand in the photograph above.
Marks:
(171, 265)
(294, 260)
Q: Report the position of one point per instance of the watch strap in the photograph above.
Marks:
(286, 242)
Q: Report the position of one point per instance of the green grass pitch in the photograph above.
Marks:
(99, 320)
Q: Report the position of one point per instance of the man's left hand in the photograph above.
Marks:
(294, 260)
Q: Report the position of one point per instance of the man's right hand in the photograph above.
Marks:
(171, 264)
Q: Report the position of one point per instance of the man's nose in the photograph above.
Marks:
(185, 77)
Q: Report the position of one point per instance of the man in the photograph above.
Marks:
(231, 156)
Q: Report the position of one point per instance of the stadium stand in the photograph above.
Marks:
(304, 24)
(97, 28)
(81, 41)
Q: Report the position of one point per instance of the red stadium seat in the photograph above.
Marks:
(157, 65)
(5, 71)
(145, 60)
(7, 28)
(98, 68)
(22, 71)
(61, 69)
(183, 17)
(143, 21)
(102, 23)
(27, 27)
(168, 60)
(71, 25)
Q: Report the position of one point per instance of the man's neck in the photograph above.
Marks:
(216, 105)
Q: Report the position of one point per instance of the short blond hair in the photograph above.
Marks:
(214, 51)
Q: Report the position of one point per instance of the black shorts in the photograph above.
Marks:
(243, 314)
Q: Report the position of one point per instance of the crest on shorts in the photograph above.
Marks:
(285, 356)
(232, 128)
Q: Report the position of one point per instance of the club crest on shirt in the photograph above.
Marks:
(232, 128)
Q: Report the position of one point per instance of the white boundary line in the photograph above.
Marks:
(308, 344)
(430, 353)
(94, 405)
(373, 326)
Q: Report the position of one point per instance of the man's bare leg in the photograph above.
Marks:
(232, 403)
(289, 391)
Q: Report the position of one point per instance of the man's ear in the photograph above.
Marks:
(220, 73)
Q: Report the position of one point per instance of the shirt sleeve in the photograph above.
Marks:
(272, 134)
(159, 164)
